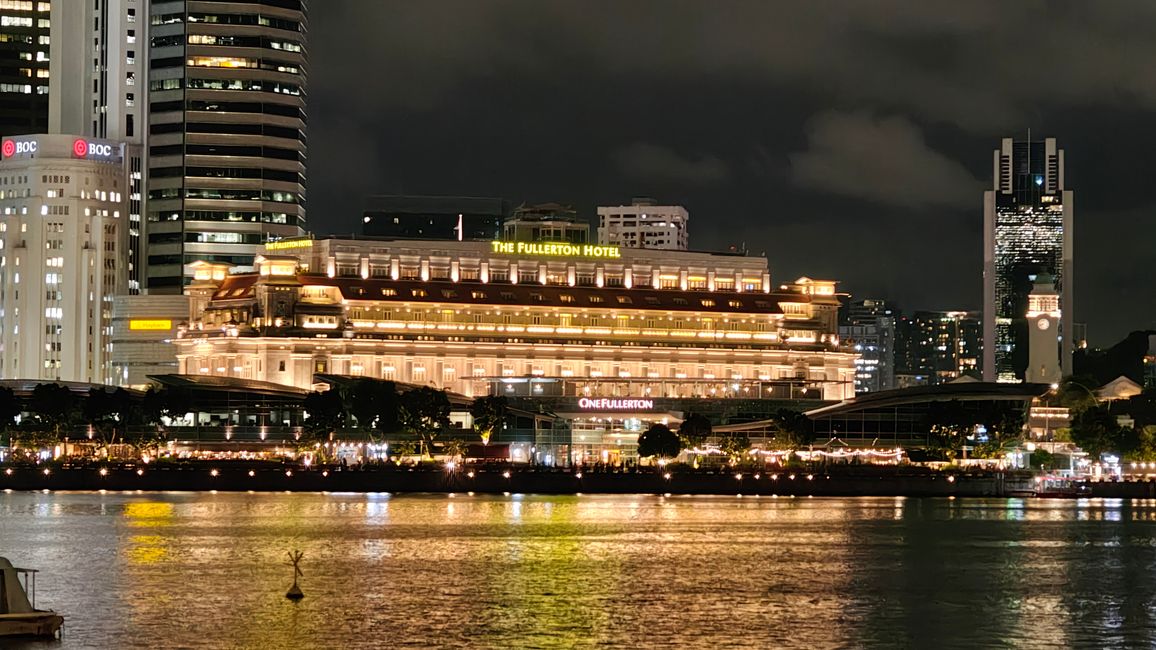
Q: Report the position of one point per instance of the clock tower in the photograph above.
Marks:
(1043, 332)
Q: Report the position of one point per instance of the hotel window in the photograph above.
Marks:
(708, 303)
(680, 301)
(735, 303)
(449, 293)
(418, 293)
(624, 300)
(509, 295)
(389, 292)
(596, 299)
(653, 300)
(566, 298)
(478, 295)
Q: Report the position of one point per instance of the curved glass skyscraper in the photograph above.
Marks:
(226, 132)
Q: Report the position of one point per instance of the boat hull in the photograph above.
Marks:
(37, 624)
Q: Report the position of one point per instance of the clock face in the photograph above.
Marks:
(1043, 323)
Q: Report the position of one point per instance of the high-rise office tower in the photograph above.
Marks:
(24, 66)
(63, 239)
(1028, 219)
(434, 217)
(226, 132)
(935, 347)
(644, 224)
(97, 90)
(868, 328)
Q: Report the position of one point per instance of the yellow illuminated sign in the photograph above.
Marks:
(153, 325)
(287, 244)
(555, 250)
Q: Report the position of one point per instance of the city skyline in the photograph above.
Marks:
(743, 137)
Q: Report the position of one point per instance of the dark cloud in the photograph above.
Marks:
(848, 138)
(885, 160)
(652, 162)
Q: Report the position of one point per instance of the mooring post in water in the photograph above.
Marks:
(294, 592)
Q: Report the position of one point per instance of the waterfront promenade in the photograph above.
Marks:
(500, 479)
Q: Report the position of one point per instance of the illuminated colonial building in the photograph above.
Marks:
(573, 320)
(1028, 219)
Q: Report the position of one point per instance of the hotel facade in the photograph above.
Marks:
(607, 338)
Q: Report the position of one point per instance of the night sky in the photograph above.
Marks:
(846, 139)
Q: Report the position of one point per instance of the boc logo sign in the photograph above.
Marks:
(12, 147)
(82, 148)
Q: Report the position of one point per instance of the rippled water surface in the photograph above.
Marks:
(209, 570)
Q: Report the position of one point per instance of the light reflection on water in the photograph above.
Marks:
(208, 570)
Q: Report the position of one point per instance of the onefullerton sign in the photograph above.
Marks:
(604, 404)
(555, 250)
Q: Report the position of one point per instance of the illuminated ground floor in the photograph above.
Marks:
(469, 368)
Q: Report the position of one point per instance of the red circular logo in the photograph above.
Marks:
(80, 148)
(9, 148)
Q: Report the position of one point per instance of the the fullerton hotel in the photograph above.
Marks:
(468, 316)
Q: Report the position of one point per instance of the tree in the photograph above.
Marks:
(1074, 393)
(948, 424)
(175, 402)
(454, 450)
(373, 404)
(793, 429)
(324, 413)
(404, 448)
(734, 444)
(1042, 459)
(10, 408)
(659, 441)
(694, 431)
(1145, 449)
(489, 413)
(425, 411)
(54, 409)
(101, 412)
(140, 417)
(1096, 431)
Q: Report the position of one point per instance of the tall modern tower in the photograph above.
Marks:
(98, 90)
(24, 59)
(1028, 219)
(226, 135)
